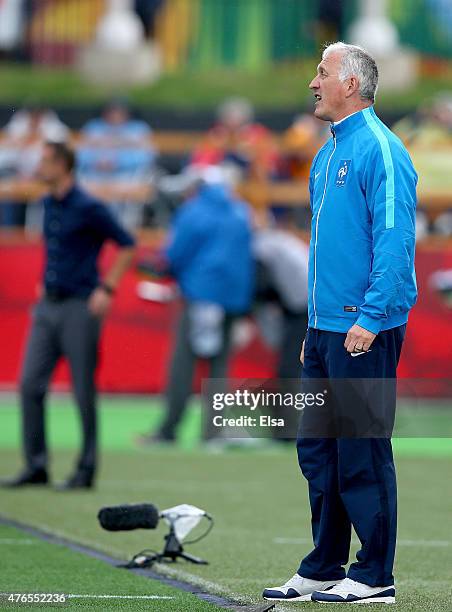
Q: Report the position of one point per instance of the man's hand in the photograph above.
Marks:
(302, 354)
(99, 302)
(358, 339)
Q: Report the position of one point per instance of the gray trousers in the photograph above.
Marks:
(60, 328)
(182, 369)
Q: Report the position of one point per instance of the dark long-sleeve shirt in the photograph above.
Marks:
(75, 228)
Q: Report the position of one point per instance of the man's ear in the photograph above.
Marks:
(352, 86)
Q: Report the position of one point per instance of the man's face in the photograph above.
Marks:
(116, 115)
(50, 170)
(329, 90)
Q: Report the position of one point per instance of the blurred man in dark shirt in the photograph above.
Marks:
(67, 318)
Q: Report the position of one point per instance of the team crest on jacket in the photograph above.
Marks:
(342, 172)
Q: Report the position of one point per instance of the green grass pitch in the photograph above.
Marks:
(34, 566)
(257, 497)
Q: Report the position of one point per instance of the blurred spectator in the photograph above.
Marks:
(429, 128)
(282, 280)
(441, 282)
(21, 149)
(36, 123)
(422, 224)
(430, 125)
(209, 253)
(300, 143)
(237, 139)
(443, 224)
(281, 305)
(117, 147)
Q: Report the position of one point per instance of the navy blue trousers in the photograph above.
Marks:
(352, 481)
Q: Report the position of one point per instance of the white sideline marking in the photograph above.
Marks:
(163, 569)
(76, 596)
(434, 543)
(73, 596)
(208, 586)
(426, 543)
(13, 541)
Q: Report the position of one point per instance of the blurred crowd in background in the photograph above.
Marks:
(126, 161)
(117, 148)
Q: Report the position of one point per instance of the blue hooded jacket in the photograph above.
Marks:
(363, 200)
(209, 250)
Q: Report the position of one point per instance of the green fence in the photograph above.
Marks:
(251, 34)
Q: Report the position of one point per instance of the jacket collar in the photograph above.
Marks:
(350, 124)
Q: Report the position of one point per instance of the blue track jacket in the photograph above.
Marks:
(210, 250)
(363, 201)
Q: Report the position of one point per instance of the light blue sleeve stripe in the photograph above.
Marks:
(389, 166)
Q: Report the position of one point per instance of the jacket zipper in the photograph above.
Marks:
(317, 228)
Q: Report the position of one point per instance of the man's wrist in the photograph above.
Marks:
(369, 323)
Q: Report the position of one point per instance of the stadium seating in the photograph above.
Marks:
(433, 200)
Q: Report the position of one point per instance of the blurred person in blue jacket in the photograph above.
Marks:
(209, 253)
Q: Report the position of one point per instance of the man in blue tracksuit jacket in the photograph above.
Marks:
(361, 287)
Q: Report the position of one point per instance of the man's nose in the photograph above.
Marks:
(314, 84)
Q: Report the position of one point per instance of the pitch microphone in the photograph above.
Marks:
(128, 517)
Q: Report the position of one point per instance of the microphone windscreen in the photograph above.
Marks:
(128, 517)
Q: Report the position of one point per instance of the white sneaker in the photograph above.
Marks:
(349, 591)
(296, 589)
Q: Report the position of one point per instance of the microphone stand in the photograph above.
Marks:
(172, 551)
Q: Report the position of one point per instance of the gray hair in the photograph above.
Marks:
(356, 62)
